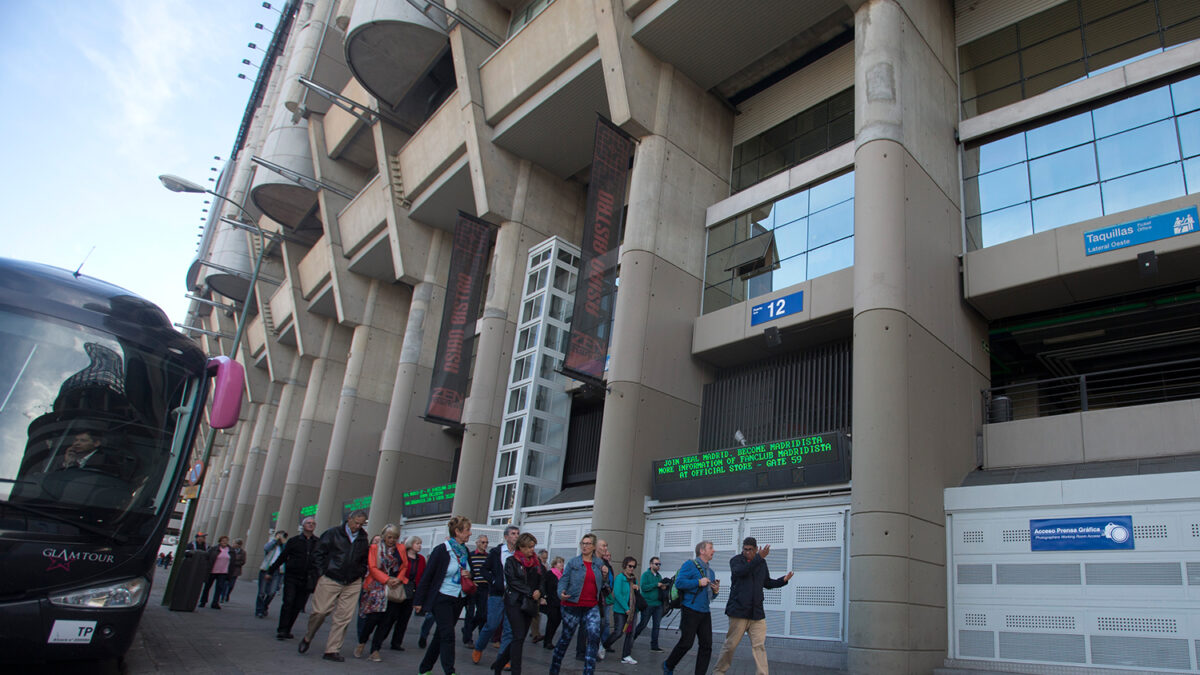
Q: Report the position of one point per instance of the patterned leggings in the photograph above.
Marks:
(572, 617)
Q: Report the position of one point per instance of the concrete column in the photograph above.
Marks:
(482, 411)
(237, 464)
(655, 385)
(279, 453)
(302, 485)
(252, 474)
(210, 499)
(918, 363)
(393, 475)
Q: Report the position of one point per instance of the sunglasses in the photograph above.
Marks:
(629, 567)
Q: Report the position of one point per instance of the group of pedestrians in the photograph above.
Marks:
(224, 564)
(504, 590)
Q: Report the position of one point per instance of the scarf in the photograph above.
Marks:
(460, 553)
(557, 572)
(530, 562)
(389, 562)
(711, 591)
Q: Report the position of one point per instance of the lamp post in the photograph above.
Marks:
(177, 184)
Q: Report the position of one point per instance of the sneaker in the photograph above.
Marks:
(375, 657)
(333, 656)
(629, 660)
(657, 649)
(358, 651)
(600, 654)
(476, 655)
(666, 670)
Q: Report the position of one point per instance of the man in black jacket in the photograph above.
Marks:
(299, 575)
(493, 573)
(341, 560)
(745, 605)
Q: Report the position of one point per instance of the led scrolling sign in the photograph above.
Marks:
(821, 459)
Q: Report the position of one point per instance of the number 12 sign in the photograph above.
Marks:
(779, 307)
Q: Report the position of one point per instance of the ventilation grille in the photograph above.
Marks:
(1196, 529)
(975, 574)
(774, 534)
(564, 537)
(1137, 624)
(977, 643)
(1134, 574)
(1149, 532)
(1114, 650)
(826, 625)
(776, 622)
(1053, 647)
(808, 532)
(822, 596)
(675, 538)
(1048, 574)
(720, 622)
(1193, 571)
(972, 537)
(773, 596)
(971, 619)
(720, 537)
(1039, 622)
(824, 559)
(1010, 536)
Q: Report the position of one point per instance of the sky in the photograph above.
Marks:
(102, 96)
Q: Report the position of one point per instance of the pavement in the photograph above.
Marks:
(231, 640)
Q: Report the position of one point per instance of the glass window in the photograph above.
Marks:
(535, 495)
(802, 221)
(521, 368)
(1072, 206)
(564, 279)
(1132, 112)
(532, 309)
(1055, 136)
(506, 464)
(517, 398)
(1189, 134)
(1067, 42)
(807, 134)
(512, 430)
(537, 281)
(1143, 188)
(527, 339)
(505, 495)
(1138, 149)
(1063, 170)
(549, 367)
(537, 431)
(560, 308)
(831, 258)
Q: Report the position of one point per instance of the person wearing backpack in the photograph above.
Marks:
(745, 604)
(653, 588)
(697, 585)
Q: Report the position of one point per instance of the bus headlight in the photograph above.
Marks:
(120, 595)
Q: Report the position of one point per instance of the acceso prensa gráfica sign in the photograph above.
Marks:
(1098, 533)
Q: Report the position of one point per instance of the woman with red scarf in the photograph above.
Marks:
(522, 592)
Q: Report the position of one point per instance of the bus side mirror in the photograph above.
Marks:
(228, 385)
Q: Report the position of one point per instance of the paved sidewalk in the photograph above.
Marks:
(232, 640)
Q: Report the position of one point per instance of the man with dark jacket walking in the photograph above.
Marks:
(341, 560)
(745, 604)
(493, 573)
(299, 575)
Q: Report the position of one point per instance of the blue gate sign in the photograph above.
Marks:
(1102, 533)
(1162, 226)
(779, 307)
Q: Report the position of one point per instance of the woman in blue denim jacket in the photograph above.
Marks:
(582, 588)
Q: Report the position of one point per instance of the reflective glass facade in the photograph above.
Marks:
(1068, 42)
(803, 136)
(1139, 150)
(814, 235)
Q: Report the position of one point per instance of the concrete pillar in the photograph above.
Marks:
(252, 474)
(279, 453)
(303, 483)
(395, 472)
(918, 363)
(653, 402)
(237, 463)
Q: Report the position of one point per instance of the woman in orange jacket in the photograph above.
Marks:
(387, 575)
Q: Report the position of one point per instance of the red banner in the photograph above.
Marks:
(591, 324)
(452, 367)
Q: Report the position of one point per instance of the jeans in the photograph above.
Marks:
(295, 597)
(495, 618)
(572, 618)
(619, 620)
(445, 612)
(221, 581)
(605, 632)
(652, 612)
(693, 626)
(267, 588)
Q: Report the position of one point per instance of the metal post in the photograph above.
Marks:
(185, 532)
(1083, 403)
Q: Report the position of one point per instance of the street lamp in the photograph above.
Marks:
(177, 184)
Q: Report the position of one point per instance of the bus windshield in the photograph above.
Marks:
(86, 425)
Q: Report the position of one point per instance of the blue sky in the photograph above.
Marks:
(101, 97)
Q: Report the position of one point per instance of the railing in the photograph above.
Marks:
(1137, 385)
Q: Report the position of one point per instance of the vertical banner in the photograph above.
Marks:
(596, 291)
(452, 367)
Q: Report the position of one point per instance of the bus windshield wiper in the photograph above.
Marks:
(119, 538)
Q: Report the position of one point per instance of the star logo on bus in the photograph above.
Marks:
(59, 563)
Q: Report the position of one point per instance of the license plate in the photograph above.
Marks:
(72, 632)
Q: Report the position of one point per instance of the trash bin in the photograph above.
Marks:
(189, 583)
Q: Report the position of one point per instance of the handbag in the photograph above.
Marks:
(468, 584)
(397, 593)
(639, 601)
(529, 606)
